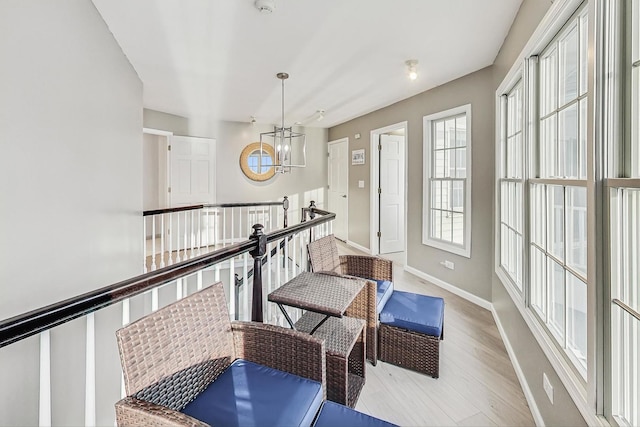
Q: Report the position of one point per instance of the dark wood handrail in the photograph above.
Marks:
(209, 205)
(41, 319)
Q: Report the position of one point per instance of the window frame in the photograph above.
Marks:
(427, 168)
(502, 153)
(585, 394)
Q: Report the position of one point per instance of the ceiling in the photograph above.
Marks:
(218, 59)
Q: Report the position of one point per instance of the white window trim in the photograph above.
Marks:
(555, 18)
(509, 83)
(465, 249)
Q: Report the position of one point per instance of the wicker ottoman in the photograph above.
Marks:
(411, 327)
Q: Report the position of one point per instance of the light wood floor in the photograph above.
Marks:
(477, 385)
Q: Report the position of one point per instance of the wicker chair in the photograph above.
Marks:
(174, 354)
(324, 257)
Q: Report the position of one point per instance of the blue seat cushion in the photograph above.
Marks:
(248, 394)
(384, 291)
(335, 415)
(415, 312)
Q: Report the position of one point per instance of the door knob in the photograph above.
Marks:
(344, 196)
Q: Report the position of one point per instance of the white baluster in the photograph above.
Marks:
(162, 233)
(90, 373)
(246, 287)
(126, 318)
(179, 289)
(224, 226)
(199, 234)
(294, 255)
(232, 289)
(185, 254)
(154, 299)
(44, 410)
(177, 230)
(232, 218)
(171, 232)
(286, 259)
(269, 281)
(153, 243)
(144, 246)
(192, 235)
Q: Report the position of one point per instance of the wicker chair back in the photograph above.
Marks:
(323, 254)
(172, 354)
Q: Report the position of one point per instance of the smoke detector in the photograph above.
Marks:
(265, 6)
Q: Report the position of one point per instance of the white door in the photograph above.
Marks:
(338, 191)
(391, 193)
(192, 171)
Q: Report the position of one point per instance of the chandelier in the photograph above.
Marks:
(289, 146)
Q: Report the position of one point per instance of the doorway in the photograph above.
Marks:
(388, 191)
(338, 186)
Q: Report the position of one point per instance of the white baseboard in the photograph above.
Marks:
(535, 412)
(358, 247)
(449, 287)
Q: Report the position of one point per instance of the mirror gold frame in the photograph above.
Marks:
(244, 161)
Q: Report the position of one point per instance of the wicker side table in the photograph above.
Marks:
(345, 354)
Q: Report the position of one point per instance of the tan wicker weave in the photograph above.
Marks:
(345, 345)
(409, 349)
(323, 254)
(170, 356)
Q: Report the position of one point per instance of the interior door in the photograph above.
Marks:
(391, 193)
(192, 171)
(338, 191)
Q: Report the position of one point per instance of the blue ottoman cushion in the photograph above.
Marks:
(334, 415)
(415, 312)
(248, 394)
(384, 291)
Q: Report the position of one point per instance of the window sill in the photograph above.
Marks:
(454, 249)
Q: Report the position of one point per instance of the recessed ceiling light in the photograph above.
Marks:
(265, 6)
(411, 68)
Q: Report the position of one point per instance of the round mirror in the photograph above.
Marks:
(257, 163)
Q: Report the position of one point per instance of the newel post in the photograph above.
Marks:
(257, 253)
(312, 206)
(285, 206)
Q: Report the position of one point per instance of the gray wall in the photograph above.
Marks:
(528, 353)
(475, 275)
(71, 192)
(471, 274)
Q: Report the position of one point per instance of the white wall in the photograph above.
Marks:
(301, 185)
(70, 191)
(151, 172)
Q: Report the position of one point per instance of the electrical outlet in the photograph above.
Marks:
(548, 388)
(448, 264)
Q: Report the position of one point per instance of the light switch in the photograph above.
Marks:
(360, 184)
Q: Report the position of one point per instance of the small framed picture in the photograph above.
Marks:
(357, 157)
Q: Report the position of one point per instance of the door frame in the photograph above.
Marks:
(374, 203)
(164, 166)
(337, 141)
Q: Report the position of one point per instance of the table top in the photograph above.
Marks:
(322, 293)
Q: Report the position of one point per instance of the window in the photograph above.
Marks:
(558, 206)
(592, 342)
(447, 178)
(624, 230)
(511, 185)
